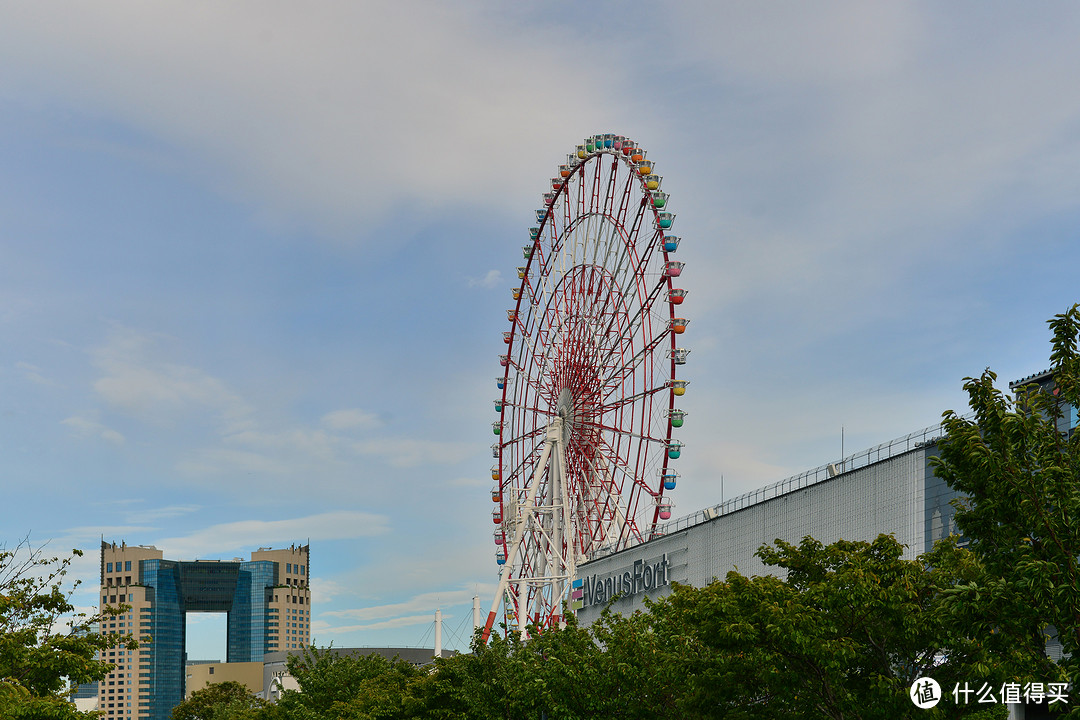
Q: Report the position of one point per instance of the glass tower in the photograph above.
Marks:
(149, 682)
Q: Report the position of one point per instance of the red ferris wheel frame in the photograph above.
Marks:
(589, 386)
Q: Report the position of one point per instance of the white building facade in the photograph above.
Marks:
(887, 489)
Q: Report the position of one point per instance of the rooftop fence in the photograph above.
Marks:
(861, 459)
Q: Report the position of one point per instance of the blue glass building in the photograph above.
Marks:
(256, 595)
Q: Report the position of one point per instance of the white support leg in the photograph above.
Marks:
(525, 519)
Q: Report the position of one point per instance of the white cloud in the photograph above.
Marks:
(234, 536)
(142, 390)
(844, 41)
(82, 534)
(88, 539)
(221, 461)
(309, 108)
(865, 138)
(161, 513)
(423, 601)
(314, 444)
(352, 418)
(417, 610)
(305, 451)
(154, 390)
(324, 590)
(34, 375)
(490, 280)
(398, 622)
(407, 452)
(89, 428)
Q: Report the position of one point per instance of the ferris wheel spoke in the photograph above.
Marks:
(620, 215)
(609, 198)
(646, 352)
(632, 399)
(616, 382)
(627, 468)
(646, 304)
(594, 199)
(531, 409)
(639, 217)
(530, 381)
(512, 471)
(621, 518)
(597, 499)
(627, 433)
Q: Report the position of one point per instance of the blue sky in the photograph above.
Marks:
(255, 257)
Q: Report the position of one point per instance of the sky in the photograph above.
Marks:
(255, 257)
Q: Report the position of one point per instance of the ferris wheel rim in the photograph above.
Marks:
(526, 384)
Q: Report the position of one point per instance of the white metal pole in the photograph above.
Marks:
(438, 633)
(476, 619)
(522, 605)
(569, 538)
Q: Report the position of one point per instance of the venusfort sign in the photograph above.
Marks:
(640, 577)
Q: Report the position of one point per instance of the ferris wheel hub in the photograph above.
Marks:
(564, 405)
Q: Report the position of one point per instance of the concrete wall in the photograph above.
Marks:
(248, 674)
(884, 497)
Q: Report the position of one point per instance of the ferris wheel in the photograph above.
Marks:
(587, 397)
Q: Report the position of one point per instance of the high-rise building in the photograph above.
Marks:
(268, 601)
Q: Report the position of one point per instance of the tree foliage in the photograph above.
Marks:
(227, 700)
(1019, 472)
(843, 635)
(341, 686)
(44, 644)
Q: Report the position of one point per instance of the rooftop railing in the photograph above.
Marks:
(863, 458)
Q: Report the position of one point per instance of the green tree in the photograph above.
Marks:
(557, 673)
(342, 686)
(843, 635)
(477, 685)
(1018, 470)
(45, 646)
(227, 700)
(642, 671)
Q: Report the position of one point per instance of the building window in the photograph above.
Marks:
(108, 567)
(301, 569)
(127, 566)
